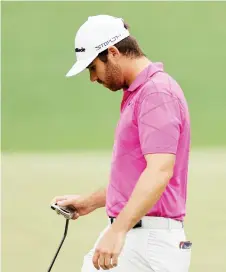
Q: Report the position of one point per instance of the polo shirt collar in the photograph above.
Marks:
(148, 72)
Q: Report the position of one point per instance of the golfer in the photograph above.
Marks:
(145, 198)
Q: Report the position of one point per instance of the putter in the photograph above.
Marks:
(68, 214)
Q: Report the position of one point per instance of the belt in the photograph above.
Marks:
(153, 222)
(138, 224)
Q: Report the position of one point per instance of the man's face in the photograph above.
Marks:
(109, 74)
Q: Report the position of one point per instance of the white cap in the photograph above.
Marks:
(94, 36)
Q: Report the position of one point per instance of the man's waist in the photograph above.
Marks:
(153, 222)
(176, 213)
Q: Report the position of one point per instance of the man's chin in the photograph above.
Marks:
(113, 89)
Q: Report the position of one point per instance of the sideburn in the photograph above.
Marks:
(103, 56)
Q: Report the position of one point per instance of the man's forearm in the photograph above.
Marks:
(146, 193)
(98, 198)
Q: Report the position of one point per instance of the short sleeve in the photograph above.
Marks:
(159, 123)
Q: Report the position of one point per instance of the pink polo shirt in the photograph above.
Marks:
(154, 119)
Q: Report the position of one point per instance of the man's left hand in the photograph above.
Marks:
(108, 249)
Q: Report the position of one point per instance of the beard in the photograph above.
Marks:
(113, 77)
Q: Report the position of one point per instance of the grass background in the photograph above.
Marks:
(44, 114)
(31, 231)
(42, 110)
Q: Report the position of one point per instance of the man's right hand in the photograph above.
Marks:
(82, 205)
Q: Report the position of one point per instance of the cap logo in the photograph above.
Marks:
(80, 50)
(99, 47)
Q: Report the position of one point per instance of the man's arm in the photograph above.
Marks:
(148, 190)
(98, 198)
(83, 205)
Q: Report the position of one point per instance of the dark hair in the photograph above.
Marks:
(127, 47)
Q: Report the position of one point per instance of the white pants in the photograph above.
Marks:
(152, 248)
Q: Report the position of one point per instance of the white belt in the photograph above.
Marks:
(161, 223)
(151, 222)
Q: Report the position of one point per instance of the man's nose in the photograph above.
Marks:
(93, 77)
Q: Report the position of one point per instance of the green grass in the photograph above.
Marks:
(44, 111)
(31, 231)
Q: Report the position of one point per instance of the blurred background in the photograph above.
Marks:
(57, 133)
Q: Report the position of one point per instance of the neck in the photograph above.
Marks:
(133, 67)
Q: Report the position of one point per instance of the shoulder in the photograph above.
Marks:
(161, 84)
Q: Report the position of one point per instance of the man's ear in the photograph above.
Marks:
(113, 51)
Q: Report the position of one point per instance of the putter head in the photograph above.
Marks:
(67, 212)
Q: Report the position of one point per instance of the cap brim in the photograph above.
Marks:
(79, 66)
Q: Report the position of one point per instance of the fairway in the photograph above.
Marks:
(32, 232)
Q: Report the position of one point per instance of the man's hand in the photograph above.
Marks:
(82, 205)
(108, 249)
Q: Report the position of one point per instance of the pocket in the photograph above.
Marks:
(181, 249)
(185, 257)
(164, 252)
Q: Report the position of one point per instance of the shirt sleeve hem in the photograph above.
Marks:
(159, 151)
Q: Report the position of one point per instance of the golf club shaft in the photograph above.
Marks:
(61, 243)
